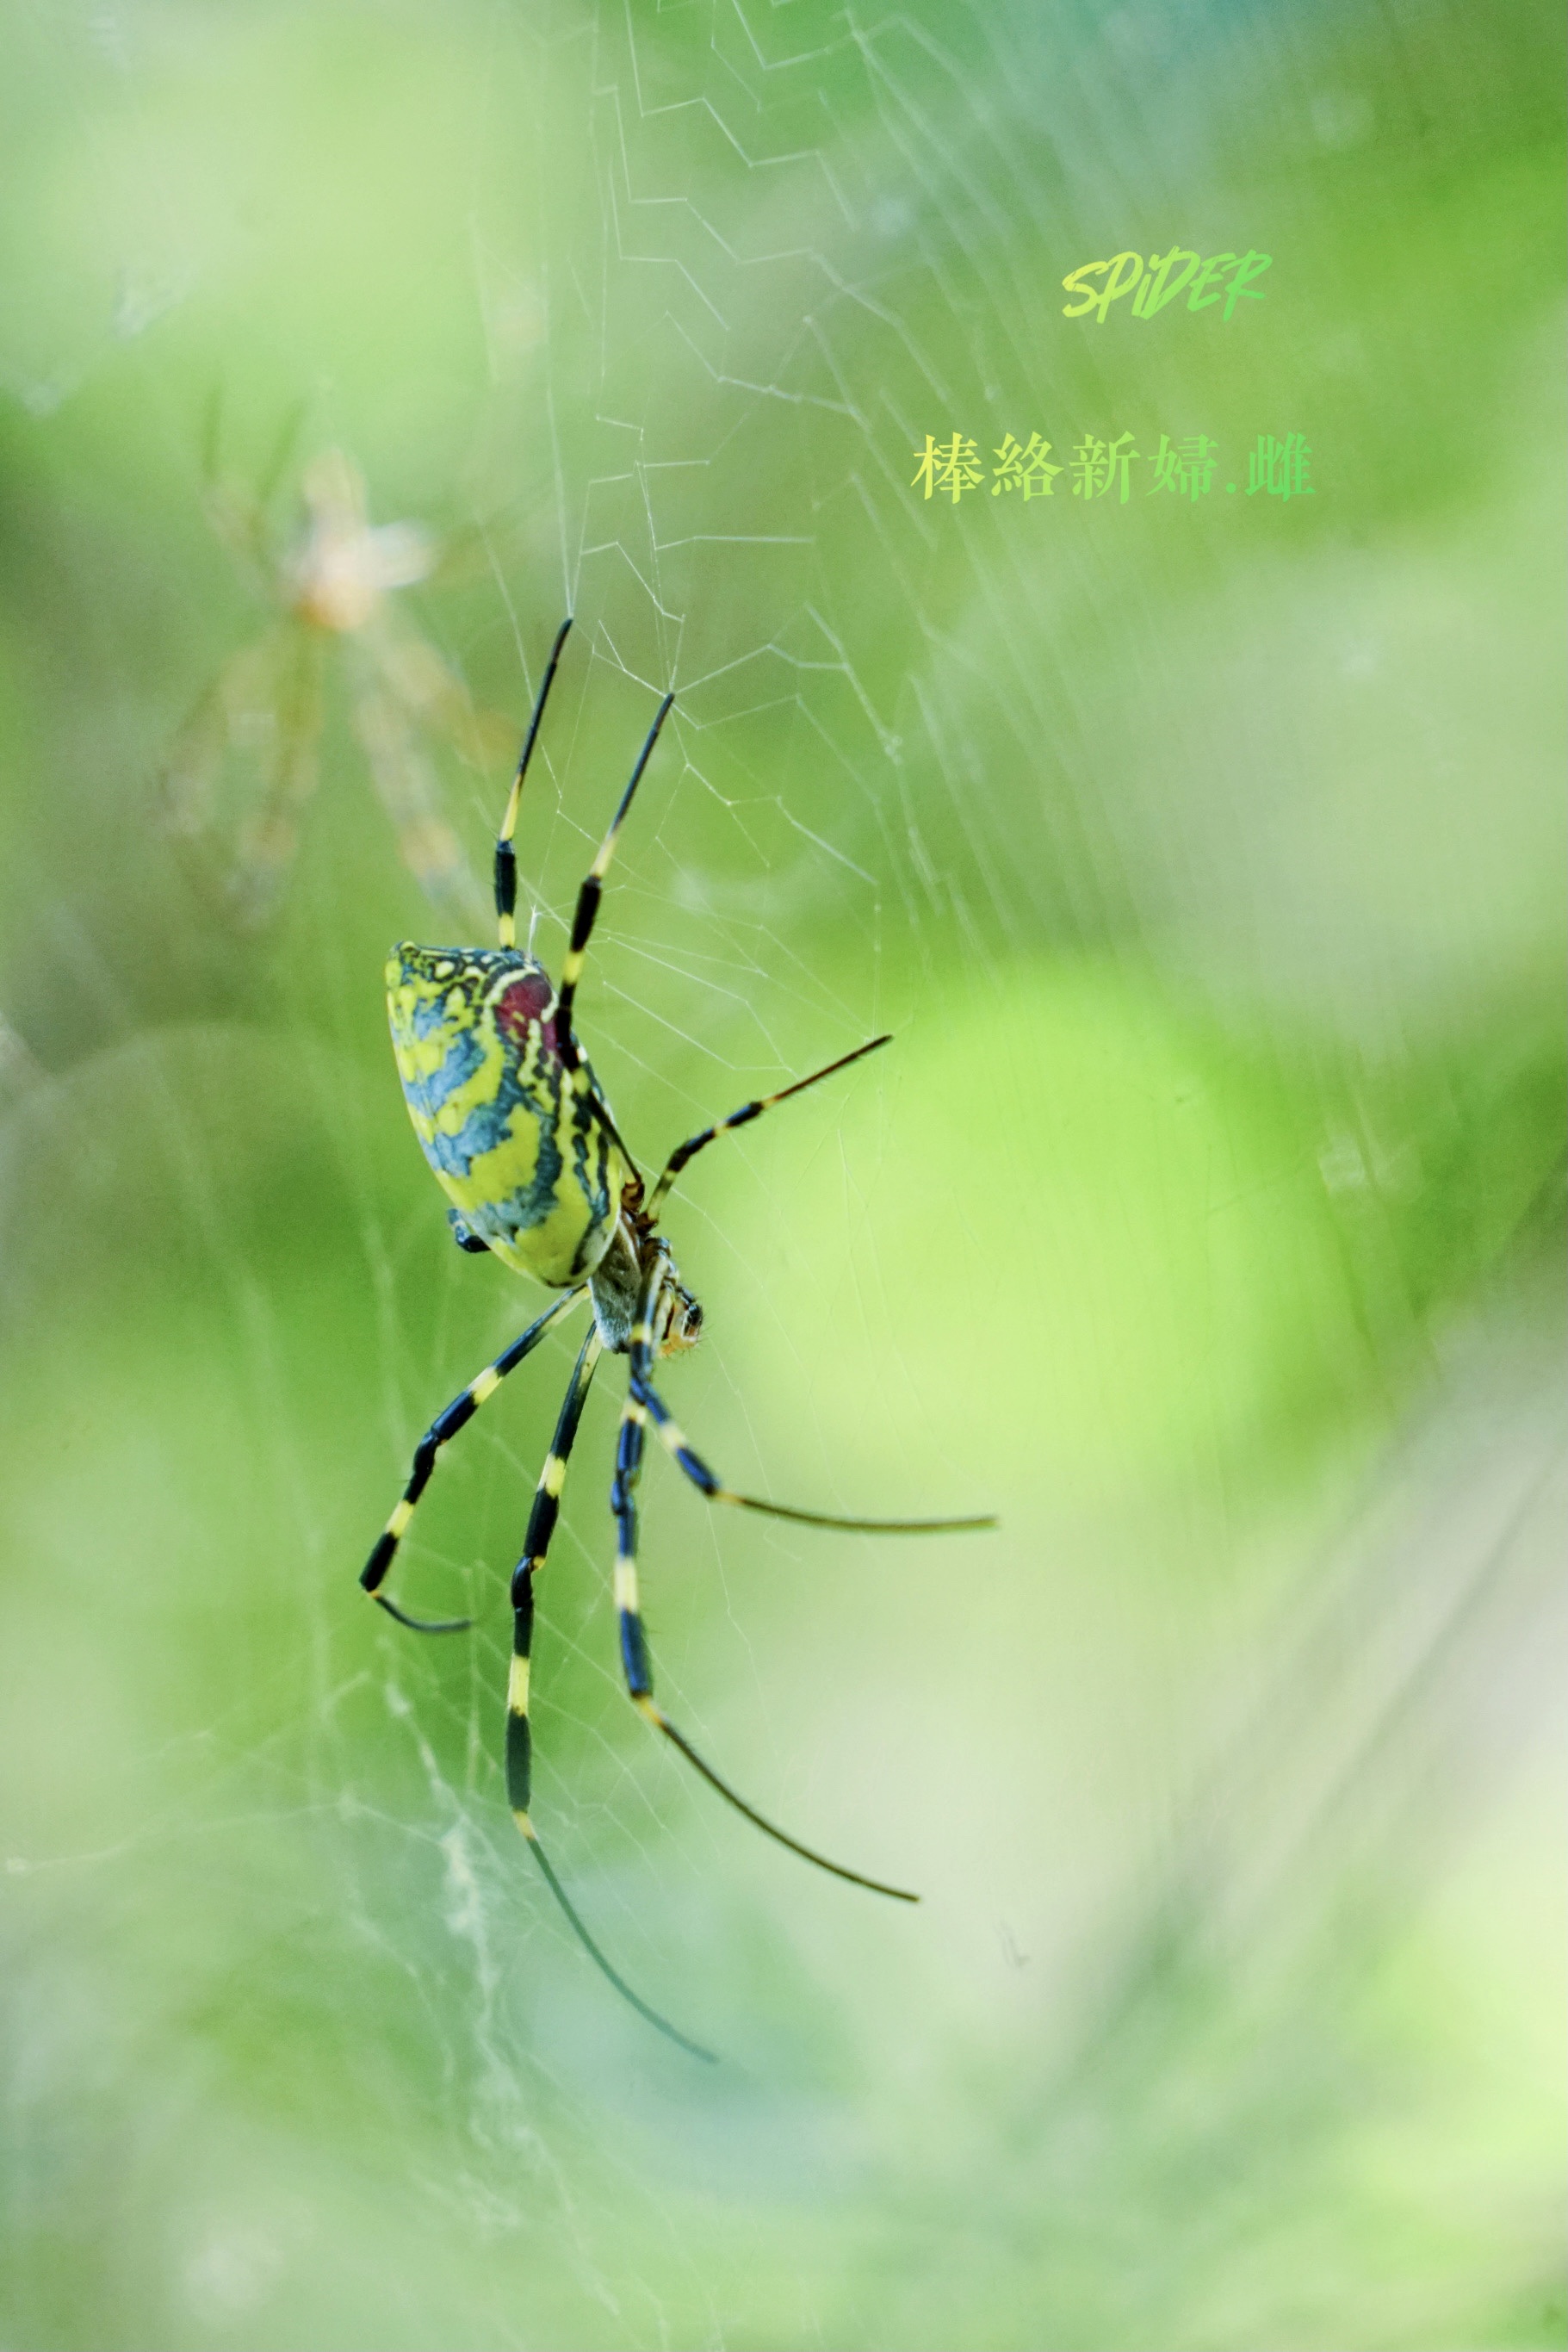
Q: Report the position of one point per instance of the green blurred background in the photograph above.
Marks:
(1204, 1221)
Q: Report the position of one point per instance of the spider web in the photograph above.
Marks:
(1191, 1222)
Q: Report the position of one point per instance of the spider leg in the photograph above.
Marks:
(661, 2024)
(190, 772)
(673, 1440)
(583, 919)
(433, 697)
(406, 786)
(520, 1745)
(268, 841)
(237, 720)
(593, 886)
(239, 514)
(542, 1518)
(747, 1111)
(506, 856)
(443, 1427)
(587, 898)
(634, 1640)
(282, 450)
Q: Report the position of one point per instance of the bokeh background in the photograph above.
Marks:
(1204, 1221)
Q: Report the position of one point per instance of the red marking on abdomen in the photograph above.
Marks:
(519, 1008)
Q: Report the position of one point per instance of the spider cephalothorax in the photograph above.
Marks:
(680, 1325)
(639, 1263)
(522, 1141)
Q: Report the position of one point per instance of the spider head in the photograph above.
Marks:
(680, 1320)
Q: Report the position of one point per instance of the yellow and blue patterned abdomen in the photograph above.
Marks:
(527, 1167)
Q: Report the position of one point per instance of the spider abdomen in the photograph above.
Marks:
(512, 1143)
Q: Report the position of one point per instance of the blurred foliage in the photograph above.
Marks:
(1204, 1220)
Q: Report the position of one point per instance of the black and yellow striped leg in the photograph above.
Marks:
(519, 1743)
(535, 1544)
(749, 1111)
(444, 1427)
(634, 1641)
(506, 856)
(673, 1440)
(661, 2024)
(582, 921)
(629, 1624)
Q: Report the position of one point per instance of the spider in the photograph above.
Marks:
(516, 1129)
(266, 706)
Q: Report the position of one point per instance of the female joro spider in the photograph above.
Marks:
(514, 1124)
